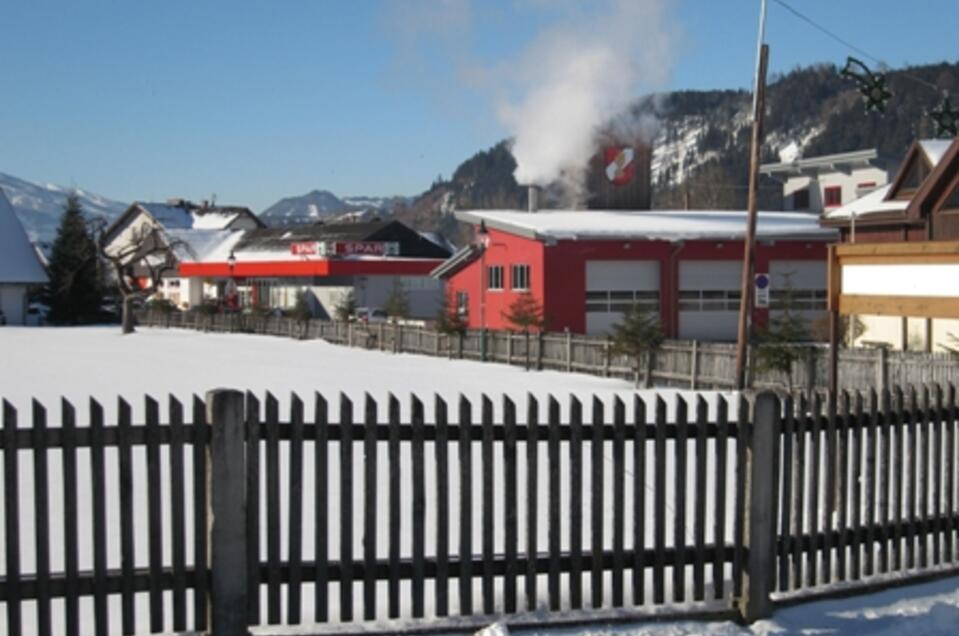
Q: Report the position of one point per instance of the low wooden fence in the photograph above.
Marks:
(705, 507)
(680, 363)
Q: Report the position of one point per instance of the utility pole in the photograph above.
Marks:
(749, 248)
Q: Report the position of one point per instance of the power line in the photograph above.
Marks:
(850, 45)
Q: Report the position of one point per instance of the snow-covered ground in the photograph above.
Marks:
(76, 363)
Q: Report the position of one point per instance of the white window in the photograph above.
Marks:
(709, 300)
(519, 277)
(494, 277)
(620, 301)
(462, 303)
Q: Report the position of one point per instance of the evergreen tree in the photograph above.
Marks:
(777, 341)
(346, 306)
(638, 336)
(397, 305)
(75, 289)
(449, 320)
(526, 314)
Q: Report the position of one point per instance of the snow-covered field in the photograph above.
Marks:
(76, 363)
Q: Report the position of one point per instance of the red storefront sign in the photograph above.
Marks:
(308, 248)
(366, 248)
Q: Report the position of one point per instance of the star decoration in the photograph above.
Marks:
(871, 85)
(945, 119)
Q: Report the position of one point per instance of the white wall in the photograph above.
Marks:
(13, 303)
(425, 294)
(817, 184)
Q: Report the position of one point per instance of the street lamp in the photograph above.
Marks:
(231, 289)
(484, 241)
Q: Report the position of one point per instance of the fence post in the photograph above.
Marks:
(509, 347)
(569, 351)
(760, 509)
(607, 355)
(882, 370)
(226, 482)
(694, 367)
(539, 350)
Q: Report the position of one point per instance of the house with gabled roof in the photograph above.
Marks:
(20, 268)
(920, 204)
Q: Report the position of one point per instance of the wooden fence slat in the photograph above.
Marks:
(510, 515)
(949, 414)
(829, 499)
(154, 515)
(253, 427)
(842, 494)
(370, 488)
(532, 489)
(488, 491)
(871, 422)
(273, 557)
(393, 458)
(799, 419)
(619, 498)
(699, 501)
(466, 507)
(912, 469)
(576, 504)
(812, 559)
(639, 501)
(939, 535)
(554, 505)
(419, 508)
(346, 508)
(71, 526)
(659, 503)
(98, 529)
(897, 477)
(321, 500)
(719, 511)
(200, 515)
(441, 450)
(742, 433)
(295, 496)
(921, 503)
(885, 455)
(857, 482)
(785, 510)
(41, 519)
(597, 510)
(177, 514)
(679, 501)
(127, 549)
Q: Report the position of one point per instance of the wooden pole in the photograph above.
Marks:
(746, 298)
(835, 290)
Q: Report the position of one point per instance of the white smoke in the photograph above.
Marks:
(579, 77)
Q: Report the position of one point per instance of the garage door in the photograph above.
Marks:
(709, 299)
(803, 283)
(612, 287)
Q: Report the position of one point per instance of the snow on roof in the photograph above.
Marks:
(872, 203)
(666, 225)
(179, 217)
(934, 149)
(196, 245)
(18, 259)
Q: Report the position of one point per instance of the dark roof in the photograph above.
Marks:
(463, 257)
(412, 244)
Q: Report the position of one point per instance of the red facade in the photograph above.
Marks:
(558, 273)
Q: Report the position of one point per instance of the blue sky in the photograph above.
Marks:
(255, 101)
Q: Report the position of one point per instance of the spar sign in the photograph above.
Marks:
(366, 248)
(620, 165)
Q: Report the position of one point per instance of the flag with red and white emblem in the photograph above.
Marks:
(620, 166)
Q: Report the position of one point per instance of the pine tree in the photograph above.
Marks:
(75, 288)
(397, 305)
(777, 341)
(346, 306)
(449, 320)
(526, 314)
(638, 336)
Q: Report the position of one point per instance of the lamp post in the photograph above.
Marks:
(483, 234)
(231, 288)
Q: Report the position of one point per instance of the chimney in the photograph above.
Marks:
(533, 198)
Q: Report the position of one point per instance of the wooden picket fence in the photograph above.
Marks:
(705, 506)
(677, 363)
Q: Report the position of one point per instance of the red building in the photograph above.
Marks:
(588, 267)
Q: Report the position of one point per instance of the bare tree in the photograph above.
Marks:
(138, 265)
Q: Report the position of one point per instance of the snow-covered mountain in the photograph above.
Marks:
(323, 205)
(39, 206)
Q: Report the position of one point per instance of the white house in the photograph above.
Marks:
(820, 184)
(20, 269)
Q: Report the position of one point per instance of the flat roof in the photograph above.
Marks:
(662, 225)
(813, 164)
